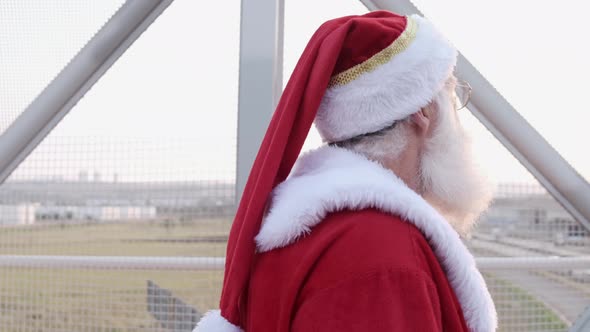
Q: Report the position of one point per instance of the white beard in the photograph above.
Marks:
(450, 179)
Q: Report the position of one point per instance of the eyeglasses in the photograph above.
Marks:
(462, 94)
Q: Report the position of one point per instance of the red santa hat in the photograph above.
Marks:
(357, 75)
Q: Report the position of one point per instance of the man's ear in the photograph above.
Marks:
(422, 121)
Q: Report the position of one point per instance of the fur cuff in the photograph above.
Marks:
(214, 322)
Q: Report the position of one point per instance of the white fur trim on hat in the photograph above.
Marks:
(214, 322)
(332, 179)
(392, 91)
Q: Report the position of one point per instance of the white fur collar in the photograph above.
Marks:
(330, 179)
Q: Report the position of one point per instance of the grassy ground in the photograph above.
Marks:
(134, 239)
(520, 311)
(104, 300)
(85, 300)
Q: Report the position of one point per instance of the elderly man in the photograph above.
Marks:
(364, 233)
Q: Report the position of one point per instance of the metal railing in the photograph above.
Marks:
(539, 293)
(218, 263)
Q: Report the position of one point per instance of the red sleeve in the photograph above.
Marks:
(383, 300)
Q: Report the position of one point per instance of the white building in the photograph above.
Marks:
(20, 214)
(534, 216)
(95, 212)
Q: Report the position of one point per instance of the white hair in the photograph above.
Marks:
(384, 145)
(449, 178)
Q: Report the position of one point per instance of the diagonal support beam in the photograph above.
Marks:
(70, 85)
(560, 179)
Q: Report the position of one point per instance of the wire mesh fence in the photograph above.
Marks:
(37, 39)
(524, 221)
(105, 300)
(152, 182)
(52, 206)
(140, 169)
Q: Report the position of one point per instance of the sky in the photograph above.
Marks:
(167, 110)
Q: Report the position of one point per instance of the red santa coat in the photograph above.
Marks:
(347, 246)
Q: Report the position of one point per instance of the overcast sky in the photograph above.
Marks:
(167, 109)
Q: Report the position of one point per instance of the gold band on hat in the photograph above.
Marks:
(382, 57)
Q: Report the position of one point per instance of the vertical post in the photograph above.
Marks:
(260, 86)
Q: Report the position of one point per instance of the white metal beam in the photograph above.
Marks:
(533, 263)
(85, 69)
(261, 72)
(113, 262)
(560, 179)
(218, 263)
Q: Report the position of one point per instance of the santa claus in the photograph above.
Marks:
(363, 234)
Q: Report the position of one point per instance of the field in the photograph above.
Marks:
(520, 311)
(116, 300)
(104, 300)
